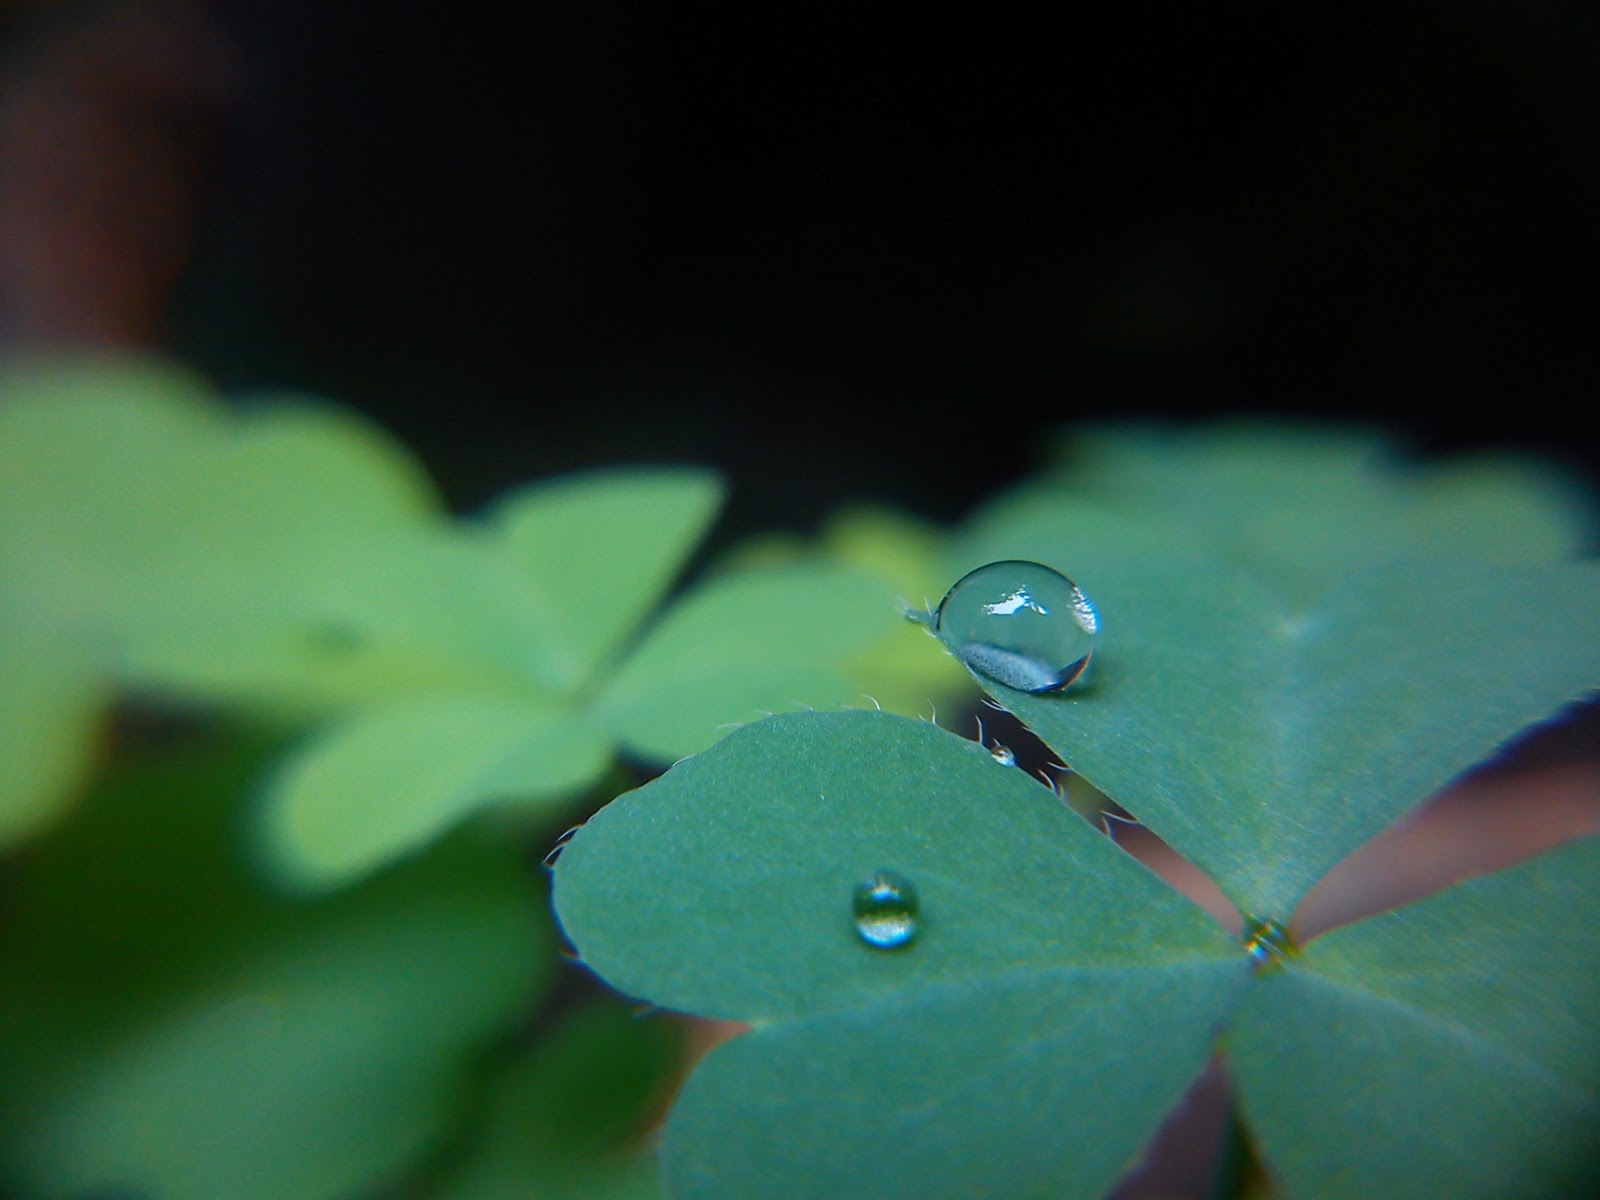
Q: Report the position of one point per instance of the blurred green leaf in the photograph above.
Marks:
(390, 779)
(1048, 967)
(318, 464)
(597, 551)
(896, 670)
(52, 691)
(1444, 1049)
(418, 610)
(168, 1030)
(91, 457)
(742, 643)
(128, 493)
(565, 1118)
(903, 549)
(245, 557)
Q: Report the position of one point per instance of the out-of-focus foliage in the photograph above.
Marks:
(170, 1028)
(277, 957)
(284, 559)
(567, 1112)
(908, 553)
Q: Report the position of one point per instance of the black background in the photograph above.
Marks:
(876, 253)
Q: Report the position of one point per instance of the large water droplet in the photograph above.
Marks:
(885, 907)
(1020, 623)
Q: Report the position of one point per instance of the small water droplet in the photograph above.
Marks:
(1266, 941)
(885, 907)
(1004, 755)
(1020, 623)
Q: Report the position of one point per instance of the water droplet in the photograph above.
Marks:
(1020, 623)
(885, 907)
(1266, 941)
(1004, 755)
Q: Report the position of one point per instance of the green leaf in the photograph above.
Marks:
(391, 778)
(1264, 744)
(89, 456)
(168, 1030)
(209, 546)
(432, 608)
(281, 558)
(597, 551)
(320, 465)
(901, 548)
(433, 605)
(53, 401)
(52, 695)
(896, 670)
(757, 640)
(1446, 1048)
(128, 491)
(566, 1117)
(1045, 1084)
(1303, 506)
(1049, 967)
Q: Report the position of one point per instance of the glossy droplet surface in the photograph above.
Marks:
(885, 906)
(1020, 623)
(1266, 941)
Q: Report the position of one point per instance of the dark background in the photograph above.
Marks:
(871, 252)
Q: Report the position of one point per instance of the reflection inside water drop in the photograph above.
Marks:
(885, 906)
(1020, 623)
(1266, 941)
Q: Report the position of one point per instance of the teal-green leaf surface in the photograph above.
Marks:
(1264, 742)
(1446, 1048)
(1039, 1084)
(724, 888)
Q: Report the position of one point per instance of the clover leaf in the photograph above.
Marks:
(1265, 743)
(1265, 707)
(1444, 1048)
(1050, 966)
(283, 559)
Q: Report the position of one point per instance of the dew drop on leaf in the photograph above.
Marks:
(885, 907)
(1004, 755)
(1266, 941)
(1020, 623)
